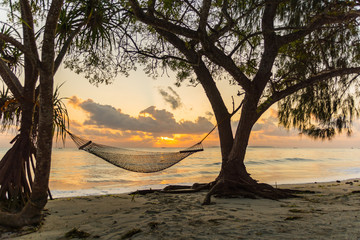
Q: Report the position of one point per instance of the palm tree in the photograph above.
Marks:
(79, 33)
(16, 171)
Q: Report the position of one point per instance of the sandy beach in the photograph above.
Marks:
(330, 213)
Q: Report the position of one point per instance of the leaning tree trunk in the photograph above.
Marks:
(233, 179)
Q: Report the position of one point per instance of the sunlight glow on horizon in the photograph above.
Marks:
(167, 139)
(139, 106)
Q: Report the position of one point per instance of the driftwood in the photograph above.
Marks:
(196, 187)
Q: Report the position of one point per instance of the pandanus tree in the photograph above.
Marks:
(40, 37)
(16, 173)
(302, 55)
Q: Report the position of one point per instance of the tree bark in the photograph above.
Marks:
(38, 200)
(17, 164)
(233, 167)
(31, 213)
(233, 179)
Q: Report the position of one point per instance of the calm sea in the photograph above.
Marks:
(76, 173)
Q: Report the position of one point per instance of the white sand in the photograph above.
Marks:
(331, 213)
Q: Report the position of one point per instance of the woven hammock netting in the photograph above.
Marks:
(132, 160)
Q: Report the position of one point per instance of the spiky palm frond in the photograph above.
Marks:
(61, 116)
(11, 55)
(9, 110)
(10, 113)
(92, 51)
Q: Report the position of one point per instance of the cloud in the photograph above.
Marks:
(270, 127)
(150, 120)
(209, 115)
(172, 98)
(74, 101)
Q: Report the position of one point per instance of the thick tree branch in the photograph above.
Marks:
(191, 55)
(204, 13)
(220, 58)
(49, 35)
(21, 47)
(270, 48)
(11, 81)
(151, 5)
(208, 83)
(137, 50)
(211, 51)
(28, 28)
(323, 76)
(161, 24)
(318, 22)
(31, 69)
(66, 46)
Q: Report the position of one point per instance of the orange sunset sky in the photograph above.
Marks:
(140, 111)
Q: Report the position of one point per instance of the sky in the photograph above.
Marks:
(140, 111)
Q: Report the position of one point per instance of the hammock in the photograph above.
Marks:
(141, 161)
(132, 160)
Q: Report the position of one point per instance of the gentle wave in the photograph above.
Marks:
(281, 161)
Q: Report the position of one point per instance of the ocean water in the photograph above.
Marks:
(77, 173)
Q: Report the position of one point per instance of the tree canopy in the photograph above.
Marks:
(283, 47)
(302, 55)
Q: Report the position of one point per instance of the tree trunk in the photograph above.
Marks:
(233, 179)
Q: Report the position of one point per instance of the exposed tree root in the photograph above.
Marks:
(18, 220)
(228, 189)
(16, 168)
(31, 214)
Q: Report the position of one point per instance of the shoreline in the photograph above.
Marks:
(89, 192)
(332, 212)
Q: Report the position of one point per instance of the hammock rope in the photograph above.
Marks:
(140, 161)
